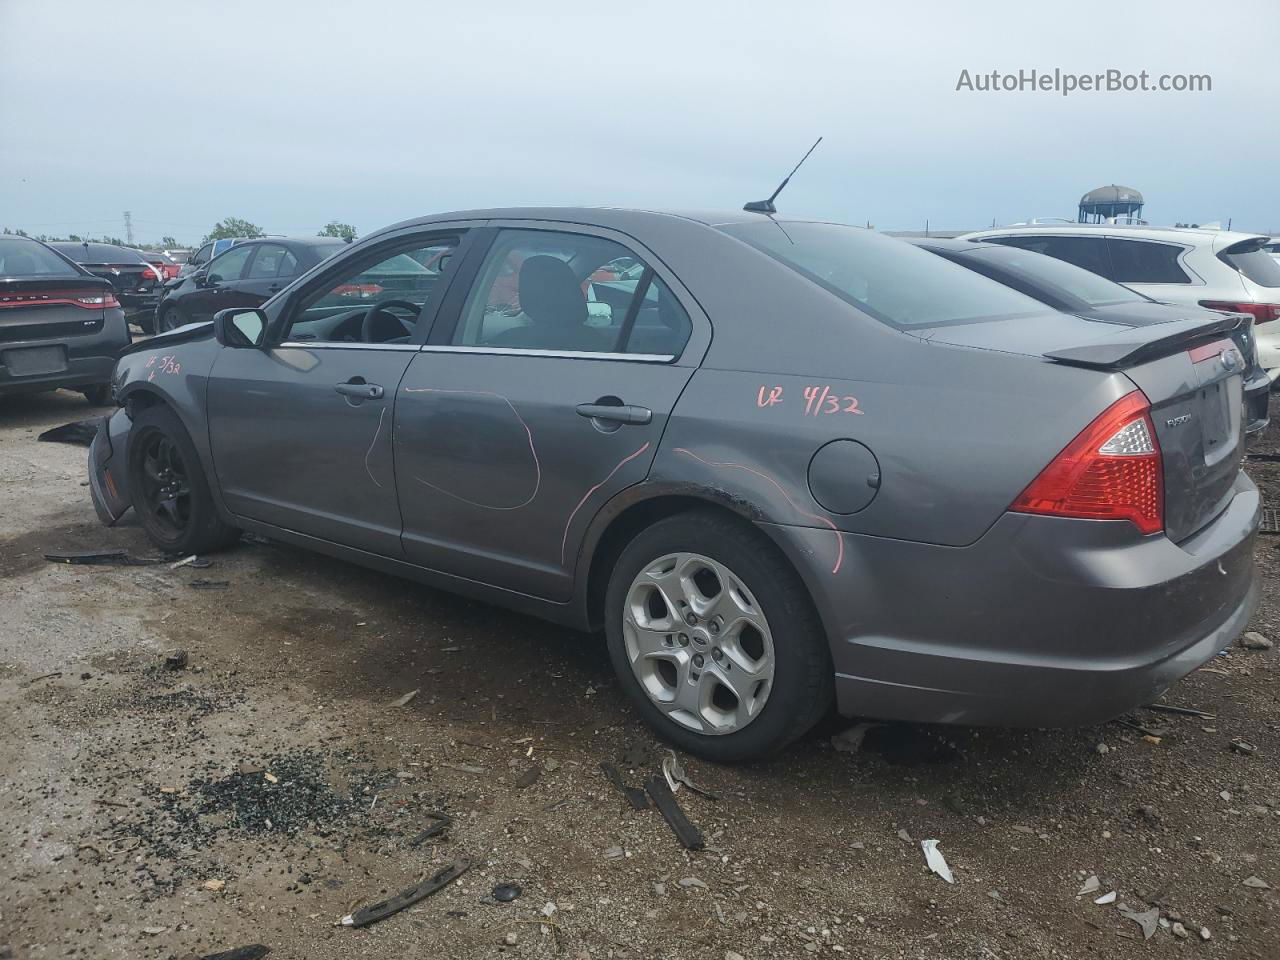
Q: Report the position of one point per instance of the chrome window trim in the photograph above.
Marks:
(557, 354)
(339, 345)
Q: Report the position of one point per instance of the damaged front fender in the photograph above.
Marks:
(108, 468)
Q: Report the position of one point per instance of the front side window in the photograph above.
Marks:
(543, 290)
(25, 258)
(230, 265)
(201, 255)
(377, 298)
(894, 282)
(269, 261)
(1144, 261)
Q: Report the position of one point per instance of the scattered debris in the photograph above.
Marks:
(635, 796)
(1105, 899)
(614, 853)
(79, 433)
(199, 584)
(215, 885)
(443, 823)
(195, 560)
(1180, 711)
(1256, 882)
(506, 892)
(904, 836)
(936, 861)
(176, 660)
(44, 676)
(404, 701)
(255, 951)
(676, 777)
(94, 558)
(154, 931)
(692, 882)
(1148, 920)
(1178, 930)
(1255, 641)
(1092, 885)
(1240, 745)
(529, 777)
(408, 897)
(1205, 934)
(689, 835)
(850, 740)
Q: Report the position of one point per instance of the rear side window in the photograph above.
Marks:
(570, 292)
(1088, 253)
(1255, 262)
(894, 282)
(1063, 282)
(1145, 261)
(24, 258)
(269, 261)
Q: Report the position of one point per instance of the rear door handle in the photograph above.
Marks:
(626, 413)
(364, 391)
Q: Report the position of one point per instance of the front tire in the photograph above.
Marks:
(167, 319)
(715, 638)
(168, 489)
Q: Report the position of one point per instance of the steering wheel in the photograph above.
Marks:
(377, 322)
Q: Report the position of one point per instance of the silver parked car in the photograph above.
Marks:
(793, 465)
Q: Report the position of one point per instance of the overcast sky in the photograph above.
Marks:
(294, 112)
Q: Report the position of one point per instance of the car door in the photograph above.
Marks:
(272, 267)
(301, 429)
(533, 403)
(216, 289)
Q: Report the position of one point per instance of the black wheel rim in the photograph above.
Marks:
(166, 488)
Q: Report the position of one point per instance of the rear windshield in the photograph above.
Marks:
(896, 283)
(98, 253)
(1057, 278)
(1255, 263)
(26, 258)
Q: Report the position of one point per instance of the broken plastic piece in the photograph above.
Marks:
(1148, 920)
(442, 823)
(80, 433)
(635, 796)
(676, 777)
(1105, 899)
(935, 860)
(665, 801)
(255, 951)
(404, 701)
(408, 897)
(91, 557)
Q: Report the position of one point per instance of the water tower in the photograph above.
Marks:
(1112, 201)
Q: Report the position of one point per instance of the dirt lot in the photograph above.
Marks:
(273, 785)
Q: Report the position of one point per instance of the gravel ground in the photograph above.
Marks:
(274, 784)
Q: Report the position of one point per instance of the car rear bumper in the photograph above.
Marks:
(1042, 622)
(75, 372)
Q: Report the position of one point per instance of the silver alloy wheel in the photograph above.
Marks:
(698, 643)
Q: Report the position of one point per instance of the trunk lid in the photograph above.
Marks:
(51, 308)
(1191, 371)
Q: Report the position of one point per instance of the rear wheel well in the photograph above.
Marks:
(626, 525)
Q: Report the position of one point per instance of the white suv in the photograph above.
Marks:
(1217, 269)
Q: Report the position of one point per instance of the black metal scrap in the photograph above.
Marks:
(408, 897)
(665, 801)
(634, 795)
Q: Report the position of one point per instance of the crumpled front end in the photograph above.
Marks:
(108, 468)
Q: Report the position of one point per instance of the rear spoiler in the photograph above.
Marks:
(1128, 350)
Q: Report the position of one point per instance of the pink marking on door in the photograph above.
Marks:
(564, 541)
(794, 506)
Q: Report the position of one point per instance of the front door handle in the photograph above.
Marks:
(625, 413)
(363, 391)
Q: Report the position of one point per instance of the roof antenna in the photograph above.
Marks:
(766, 206)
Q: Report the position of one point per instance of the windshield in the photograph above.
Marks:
(26, 258)
(1075, 286)
(890, 280)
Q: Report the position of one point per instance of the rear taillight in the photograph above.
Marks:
(104, 301)
(1261, 312)
(1111, 471)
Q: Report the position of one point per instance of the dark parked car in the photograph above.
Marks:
(247, 274)
(60, 326)
(1075, 290)
(886, 482)
(136, 282)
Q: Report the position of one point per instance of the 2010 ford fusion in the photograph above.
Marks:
(782, 464)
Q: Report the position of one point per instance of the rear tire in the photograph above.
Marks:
(734, 690)
(99, 395)
(168, 488)
(167, 319)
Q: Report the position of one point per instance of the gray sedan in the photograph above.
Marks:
(792, 466)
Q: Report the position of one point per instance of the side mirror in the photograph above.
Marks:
(240, 327)
(201, 277)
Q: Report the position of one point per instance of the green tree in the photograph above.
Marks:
(168, 242)
(335, 228)
(232, 227)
